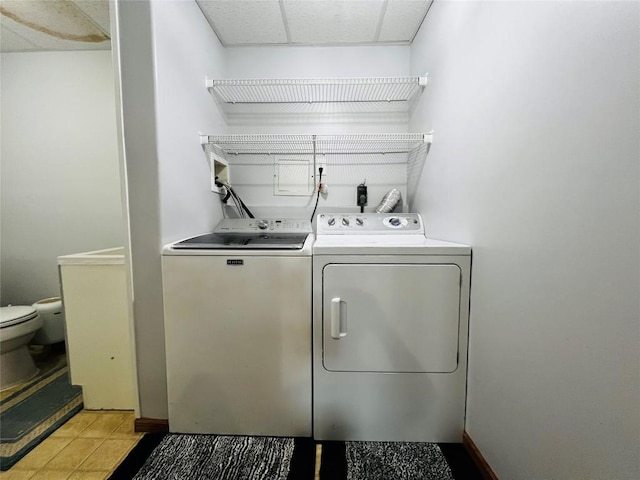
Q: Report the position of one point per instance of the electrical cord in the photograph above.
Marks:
(240, 205)
(318, 195)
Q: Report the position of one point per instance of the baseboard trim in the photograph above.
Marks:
(478, 458)
(152, 425)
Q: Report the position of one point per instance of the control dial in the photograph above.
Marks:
(262, 224)
(359, 221)
(331, 221)
(395, 222)
(345, 222)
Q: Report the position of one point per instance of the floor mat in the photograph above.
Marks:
(383, 461)
(185, 457)
(400, 461)
(32, 413)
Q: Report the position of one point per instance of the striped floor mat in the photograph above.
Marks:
(395, 460)
(31, 414)
(400, 461)
(194, 457)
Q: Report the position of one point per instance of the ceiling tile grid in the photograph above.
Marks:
(314, 22)
(41, 25)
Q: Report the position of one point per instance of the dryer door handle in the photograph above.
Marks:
(338, 322)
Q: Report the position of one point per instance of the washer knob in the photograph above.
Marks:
(359, 221)
(331, 221)
(345, 222)
(262, 224)
(395, 221)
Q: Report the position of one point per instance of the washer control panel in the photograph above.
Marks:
(369, 224)
(257, 225)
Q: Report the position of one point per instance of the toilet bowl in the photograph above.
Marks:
(18, 325)
(51, 312)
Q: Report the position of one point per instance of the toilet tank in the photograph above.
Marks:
(51, 312)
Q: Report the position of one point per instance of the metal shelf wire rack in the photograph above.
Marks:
(350, 144)
(243, 98)
(317, 90)
(355, 155)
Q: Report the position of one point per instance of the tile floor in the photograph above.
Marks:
(88, 447)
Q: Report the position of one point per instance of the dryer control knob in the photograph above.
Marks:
(395, 221)
(345, 222)
(331, 221)
(359, 221)
(262, 224)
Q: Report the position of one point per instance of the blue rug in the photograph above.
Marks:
(31, 414)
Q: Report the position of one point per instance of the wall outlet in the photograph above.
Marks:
(319, 165)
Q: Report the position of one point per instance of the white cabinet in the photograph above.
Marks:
(99, 346)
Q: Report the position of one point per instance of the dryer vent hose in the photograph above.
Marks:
(390, 201)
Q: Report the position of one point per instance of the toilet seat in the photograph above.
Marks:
(15, 315)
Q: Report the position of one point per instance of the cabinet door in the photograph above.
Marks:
(391, 317)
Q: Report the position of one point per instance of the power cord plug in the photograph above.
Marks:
(320, 170)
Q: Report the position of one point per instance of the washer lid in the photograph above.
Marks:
(14, 315)
(266, 241)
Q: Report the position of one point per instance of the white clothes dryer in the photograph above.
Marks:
(390, 329)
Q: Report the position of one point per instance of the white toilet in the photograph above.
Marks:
(18, 325)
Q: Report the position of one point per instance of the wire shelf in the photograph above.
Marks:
(353, 144)
(338, 98)
(317, 90)
(352, 156)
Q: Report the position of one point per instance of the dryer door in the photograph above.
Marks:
(391, 317)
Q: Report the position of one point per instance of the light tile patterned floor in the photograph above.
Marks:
(88, 447)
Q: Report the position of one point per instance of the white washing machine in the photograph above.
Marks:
(390, 328)
(237, 312)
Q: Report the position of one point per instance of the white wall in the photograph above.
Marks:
(318, 62)
(165, 49)
(60, 182)
(187, 52)
(535, 163)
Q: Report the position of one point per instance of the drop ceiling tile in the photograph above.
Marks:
(332, 21)
(245, 22)
(402, 19)
(97, 10)
(56, 18)
(12, 42)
